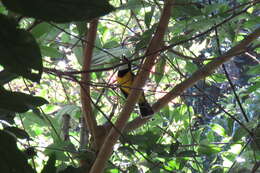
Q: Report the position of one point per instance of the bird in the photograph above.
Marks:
(125, 79)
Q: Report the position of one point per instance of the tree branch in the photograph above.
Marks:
(85, 89)
(139, 82)
(198, 75)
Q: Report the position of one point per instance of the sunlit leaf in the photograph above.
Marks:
(219, 130)
(159, 70)
(208, 149)
(51, 52)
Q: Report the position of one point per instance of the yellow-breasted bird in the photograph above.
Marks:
(125, 79)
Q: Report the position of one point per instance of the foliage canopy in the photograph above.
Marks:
(59, 100)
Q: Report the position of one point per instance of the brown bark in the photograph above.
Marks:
(155, 44)
(65, 127)
(85, 89)
(198, 75)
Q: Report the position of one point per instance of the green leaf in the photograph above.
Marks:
(114, 170)
(70, 109)
(202, 24)
(50, 166)
(51, 52)
(7, 116)
(133, 169)
(218, 77)
(239, 133)
(82, 28)
(19, 102)
(19, 51)
(219, 130)
(59, 148)
(41, 29)
(145, 39)
(6, 77)
(185, 10)
(154, 169)
(134, 4)
(12, 160)
(60, 10)
(19, 133)
(174, 147)
(255, 143)
(159, 70)
(253, 22)
(188, 153)
(148, 17)
(255, 70)
(208, 149)
(183, 110)
(103, 57)
(207, 10)
(145, 139)
(110, 44)
(254, 87)
(191, 67)
(78, 51)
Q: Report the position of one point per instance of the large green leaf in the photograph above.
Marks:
(6, 76)
(7, 116)
(51, 52)
(19, 133)
(60, 10)
(50, 165)
(59, 148)
(41, 29)
(19, 102)
(103, 57)
(12, 160)
(19, 52)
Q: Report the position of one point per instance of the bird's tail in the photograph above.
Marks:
(145, 109)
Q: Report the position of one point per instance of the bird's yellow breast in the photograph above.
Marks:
(126, 82)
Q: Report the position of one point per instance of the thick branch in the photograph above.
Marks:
(198, 75)
(139, 82)
(85, 89)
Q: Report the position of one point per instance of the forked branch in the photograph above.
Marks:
(155, 44)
